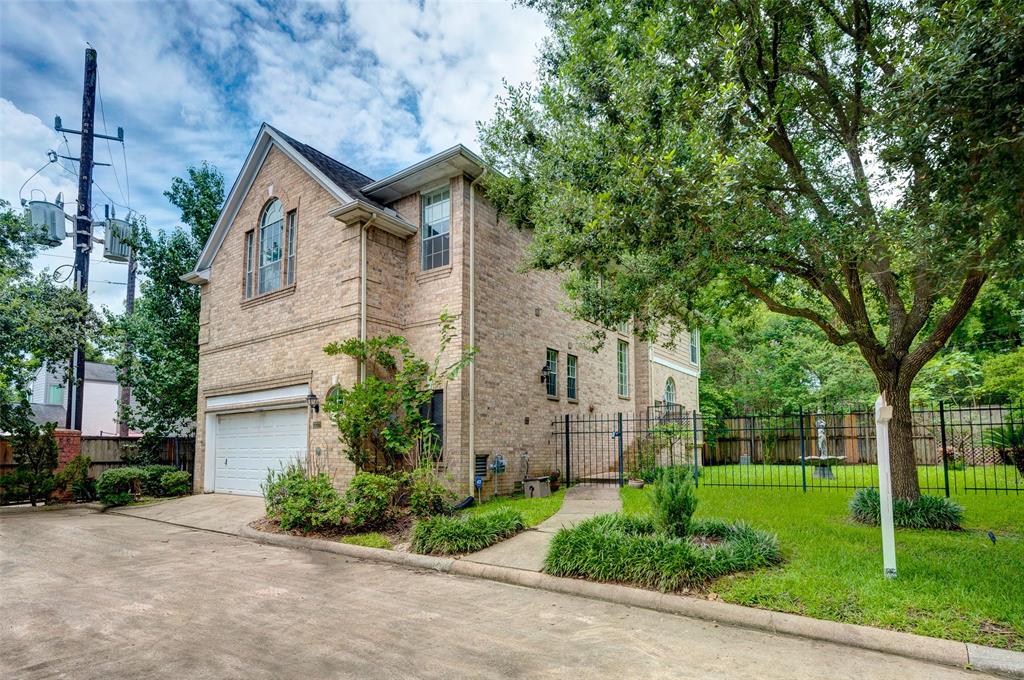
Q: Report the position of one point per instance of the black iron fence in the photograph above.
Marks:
(959, 449)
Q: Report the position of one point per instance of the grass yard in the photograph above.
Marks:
(955, 585)
(370, 539)
(932, 477)
(534, 510)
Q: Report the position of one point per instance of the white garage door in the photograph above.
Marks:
(249, 444)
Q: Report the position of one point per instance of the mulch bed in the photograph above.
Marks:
(398, 532)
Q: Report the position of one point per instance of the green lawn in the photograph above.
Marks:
(370, 539)
(534, 510)
(931, 477)
(955, 585)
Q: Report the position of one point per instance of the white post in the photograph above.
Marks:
(883, 414)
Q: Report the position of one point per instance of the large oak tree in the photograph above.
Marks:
(854, 163)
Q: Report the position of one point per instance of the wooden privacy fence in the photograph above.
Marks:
(106, 452)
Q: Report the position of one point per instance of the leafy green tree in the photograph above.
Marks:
(35, 454)
(40, 321)
(157, 345)
(1003, 376)
(380, 419)
(853, 163)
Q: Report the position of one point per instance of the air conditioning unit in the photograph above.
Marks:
(115, 241)
(48, 218)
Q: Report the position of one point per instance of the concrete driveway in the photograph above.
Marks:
(224, 513)
(89, 595)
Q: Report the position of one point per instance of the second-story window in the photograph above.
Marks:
(552, 383)
(271, 247)
(290, 225)
(250, 262)
(694, 348)
(622, 357)
(436, 224)
(571, 389)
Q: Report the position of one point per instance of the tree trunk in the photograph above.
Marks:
(901, 446)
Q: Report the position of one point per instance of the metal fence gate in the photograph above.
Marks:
(610, 448)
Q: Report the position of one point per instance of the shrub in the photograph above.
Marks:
(119, 486)
(674, 501)
(428, 495)
(150, 476)
(443, 535)
(302, 501)
(35, 452)
(632, 549)
(370, 500)
(176, 483)
(75, 478)
(927, 512)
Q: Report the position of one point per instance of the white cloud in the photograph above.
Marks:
(378, 85)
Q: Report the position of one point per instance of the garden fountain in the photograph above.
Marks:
(822, 461)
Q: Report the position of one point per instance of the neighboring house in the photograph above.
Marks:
(99, 401)
(308, 251)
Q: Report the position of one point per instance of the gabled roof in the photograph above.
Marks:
(457, 159)
(346, 178)
(339, 180)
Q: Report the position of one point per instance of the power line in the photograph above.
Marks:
(103, 117)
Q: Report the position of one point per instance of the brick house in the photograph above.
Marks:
(307, 251)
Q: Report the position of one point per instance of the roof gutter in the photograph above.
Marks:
(196, 277)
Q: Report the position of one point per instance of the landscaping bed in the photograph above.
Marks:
(956, 585)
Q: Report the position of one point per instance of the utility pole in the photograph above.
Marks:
(83, 231)
(83, 225)
(129, 307)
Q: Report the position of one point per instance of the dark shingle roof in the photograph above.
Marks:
(48, 413)
(99, 372)
(348, 180)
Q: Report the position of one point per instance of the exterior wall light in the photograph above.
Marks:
(545, 373)
(313, 401)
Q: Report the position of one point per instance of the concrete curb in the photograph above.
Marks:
(53, 507)
(933, 650)
(441, 564)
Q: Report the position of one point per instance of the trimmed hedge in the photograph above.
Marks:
(120, 486)
(302, 502)
(927, 512)
(631, 549)
(443, 535)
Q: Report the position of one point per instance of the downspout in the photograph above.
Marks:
(472, 331)
(362, 288)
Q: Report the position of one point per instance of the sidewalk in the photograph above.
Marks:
(527, 550)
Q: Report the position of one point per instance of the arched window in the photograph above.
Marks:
(271, 246)
(670, 391)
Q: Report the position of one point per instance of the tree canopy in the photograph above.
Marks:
(855, 164)
(40, 321)
(157, 345)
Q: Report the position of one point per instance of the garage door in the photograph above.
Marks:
(249, 444)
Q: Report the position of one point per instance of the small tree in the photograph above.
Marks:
(35, 453)
(380, 419)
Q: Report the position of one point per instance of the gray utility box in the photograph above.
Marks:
(537, 487)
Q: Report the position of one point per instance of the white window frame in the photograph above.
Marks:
(291, 224)
(442, 237)
(572, 383)
(670, 398)
(551, 361)
(250, 261)
(695, 348)
(622, 368)
(264, 283)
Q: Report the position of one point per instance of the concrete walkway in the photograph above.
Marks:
(219, 512)
(528, 550)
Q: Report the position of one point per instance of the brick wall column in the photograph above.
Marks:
(69, 442)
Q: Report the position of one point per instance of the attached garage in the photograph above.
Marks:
(250, 444)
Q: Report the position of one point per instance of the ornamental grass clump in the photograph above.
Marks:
(444, 535)
(632, 549)
(666, 549)
(926, 512)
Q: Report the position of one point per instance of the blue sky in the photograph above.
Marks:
(378, 85)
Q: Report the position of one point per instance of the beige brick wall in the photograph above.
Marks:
(246, 345)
